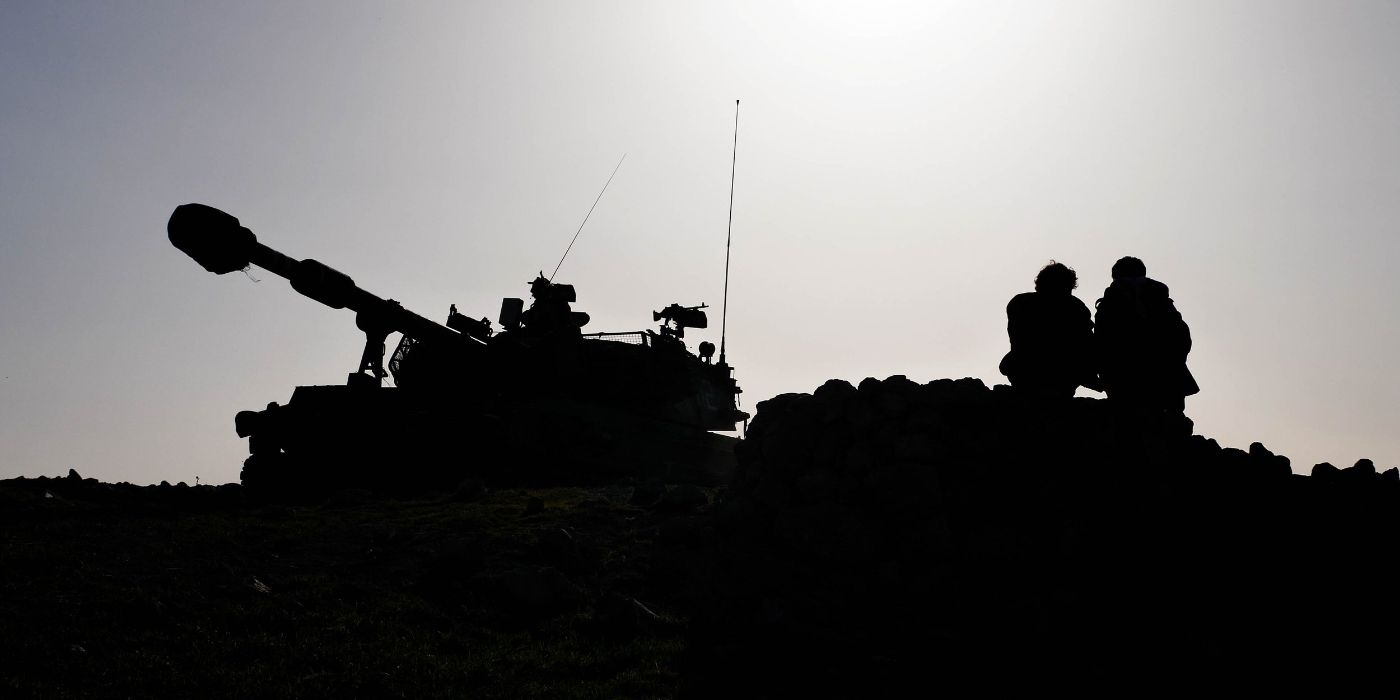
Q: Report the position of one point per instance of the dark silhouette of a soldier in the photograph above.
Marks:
(550, 318)
(1051, 337)
(1142, 342)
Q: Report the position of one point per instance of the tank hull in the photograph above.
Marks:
(387, 440)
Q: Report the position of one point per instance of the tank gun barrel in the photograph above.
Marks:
(221, 245)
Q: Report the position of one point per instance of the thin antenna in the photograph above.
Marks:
(585, 219)
(733, 163)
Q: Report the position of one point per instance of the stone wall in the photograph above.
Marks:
(899, 530)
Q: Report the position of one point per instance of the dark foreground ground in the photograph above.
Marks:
(878, 540)
(118, 591)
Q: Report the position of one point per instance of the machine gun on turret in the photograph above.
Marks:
(676, 318)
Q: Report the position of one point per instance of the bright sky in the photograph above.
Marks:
(903, 170)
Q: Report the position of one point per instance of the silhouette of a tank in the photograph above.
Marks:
(536, 402)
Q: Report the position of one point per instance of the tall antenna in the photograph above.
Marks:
(733, 163)
(590, 213)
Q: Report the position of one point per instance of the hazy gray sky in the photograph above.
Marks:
(904, 169)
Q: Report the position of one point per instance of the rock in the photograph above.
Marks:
(684, 498)
(917, 447)
(835, 389)
(896, 396)
(1360, 474)
(73, 476)
(1269, 464)
(861, 415)
(832, 399)
(647, 494)
(469, 490)
(1324, 471)
(859, 460)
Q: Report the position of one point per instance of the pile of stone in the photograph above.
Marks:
(874, 531)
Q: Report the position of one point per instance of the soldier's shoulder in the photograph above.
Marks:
(1022, 299)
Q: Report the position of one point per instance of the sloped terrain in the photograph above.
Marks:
(878, 536)
(118, 591)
